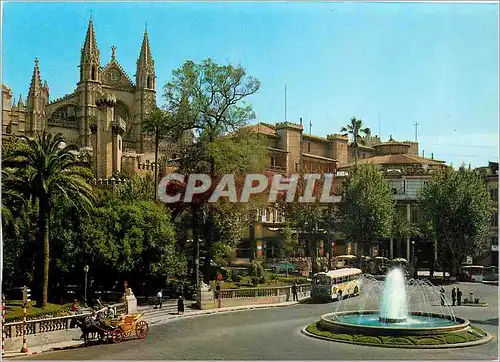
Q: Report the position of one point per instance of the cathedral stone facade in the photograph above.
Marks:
(103, 116)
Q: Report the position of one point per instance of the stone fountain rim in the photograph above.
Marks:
(462, 323)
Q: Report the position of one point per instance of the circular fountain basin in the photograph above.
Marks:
(369, 323)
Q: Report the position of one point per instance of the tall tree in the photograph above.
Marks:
(457, 207)
(366, 211)
(210, 100)
(46, 169)
(158, 125)
(289, 245)
(355, 129)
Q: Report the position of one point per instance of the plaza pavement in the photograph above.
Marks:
(274, 334)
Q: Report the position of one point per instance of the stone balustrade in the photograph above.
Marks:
(109, 181)
(38, 326)
(244, 296)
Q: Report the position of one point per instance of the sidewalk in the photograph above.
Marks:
(151, 315)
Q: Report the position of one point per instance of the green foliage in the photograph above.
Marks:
(290, 242)
(240, 152)
(14, 311)
(134, 239)
(367, 339)
(395, 340)
(355, 129)
(20, 248)
(429, 341)
(457, 209)
(366, 212)
(256, 272)
(443, 338)
(43, 169)
(454, 338)
(209, 97)
(139, 188)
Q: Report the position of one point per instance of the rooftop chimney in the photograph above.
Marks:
(423, 153)
(432, 155)
(301, 121)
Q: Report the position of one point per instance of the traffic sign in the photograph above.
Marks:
(219, 277)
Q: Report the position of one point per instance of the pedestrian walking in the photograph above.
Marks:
(180, 305)
(442, 291)
(459, 296)
(159, 299)
(294, 292)
(453, 296)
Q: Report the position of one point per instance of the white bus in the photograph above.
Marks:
(336, 284)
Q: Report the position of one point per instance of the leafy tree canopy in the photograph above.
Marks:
(366, 211)
(457, 208)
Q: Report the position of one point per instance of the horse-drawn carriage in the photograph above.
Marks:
(114, 329)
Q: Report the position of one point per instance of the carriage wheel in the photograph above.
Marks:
(141, 329)
(117, 336)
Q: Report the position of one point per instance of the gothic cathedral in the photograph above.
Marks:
(103, 116)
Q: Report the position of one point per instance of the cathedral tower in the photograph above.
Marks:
(36, 103)
(145, 97)
(89, 86)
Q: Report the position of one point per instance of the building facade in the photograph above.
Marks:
(104, 115)
(490, 250)
(291, 150)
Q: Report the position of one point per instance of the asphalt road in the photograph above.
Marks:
(275, 334)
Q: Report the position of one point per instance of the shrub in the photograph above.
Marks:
(430, 341)
(343, 337)
(256, 270)
(395, 340)
(476, 301)
(367, 339)
(454, 338)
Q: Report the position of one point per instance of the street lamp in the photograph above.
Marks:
(413, 250)
(86, 271)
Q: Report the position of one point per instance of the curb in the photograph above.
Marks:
(225, 311)
(49, 349)
(484, 340)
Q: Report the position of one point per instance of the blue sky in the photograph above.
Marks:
(400, 63)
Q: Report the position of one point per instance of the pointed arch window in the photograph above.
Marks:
(149, 82)
(92, 76)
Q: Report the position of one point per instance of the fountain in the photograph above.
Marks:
(394, 306)
(406, 309)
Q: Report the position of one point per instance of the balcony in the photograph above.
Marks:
(276, 168)
(119, 125)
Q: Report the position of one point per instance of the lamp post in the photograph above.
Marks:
(85, 271)
(413, 251)
(413, 261)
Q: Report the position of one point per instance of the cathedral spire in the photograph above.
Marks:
(145, 57)
(90, 51)
(145, 65)
(36, 81)
(89, 61)
(36, 102)
(20, 103)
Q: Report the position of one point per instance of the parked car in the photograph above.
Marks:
(283, 266)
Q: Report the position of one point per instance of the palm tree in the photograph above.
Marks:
(355, 128)
(157, 123)
(47, 169)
